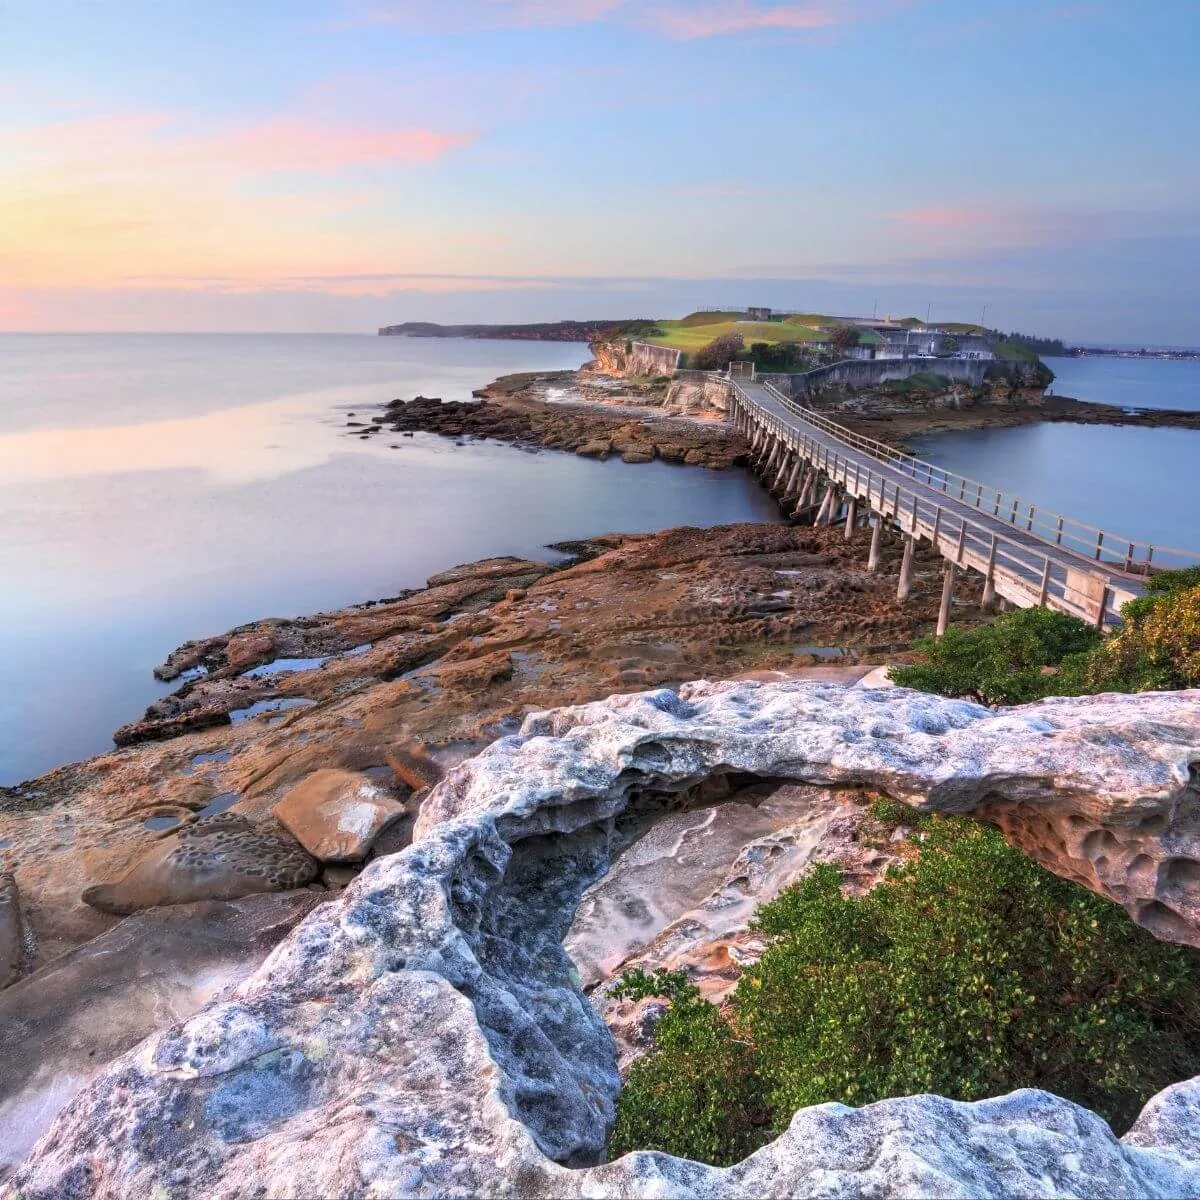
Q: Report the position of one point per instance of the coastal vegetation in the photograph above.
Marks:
(1032, 653)
(970, 971)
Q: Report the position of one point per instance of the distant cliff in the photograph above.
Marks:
(554, 331)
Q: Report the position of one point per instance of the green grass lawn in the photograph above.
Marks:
(682, 335)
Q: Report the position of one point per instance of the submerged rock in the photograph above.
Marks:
(425, 1033)
(220, 858)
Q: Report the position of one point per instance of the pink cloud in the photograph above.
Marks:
(683, 22)
(945, 216)
(716, 19)
(304, 146)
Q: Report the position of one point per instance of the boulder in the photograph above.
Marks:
(337, 815)
(250, 650)
(219, 858)
(62, 1025)
(425, 1034)
(16, 938)
(597, 448)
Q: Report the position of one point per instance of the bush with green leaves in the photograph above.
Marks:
(969, 972)
(1002, 663)
(697, 1095)
(1157, 648)
(717, 354)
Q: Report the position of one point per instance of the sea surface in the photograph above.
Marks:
(159, 488)
(1131, 382)
(1134, 482)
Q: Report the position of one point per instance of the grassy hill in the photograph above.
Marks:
(699, 328)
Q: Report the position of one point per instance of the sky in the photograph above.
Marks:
(336, 165)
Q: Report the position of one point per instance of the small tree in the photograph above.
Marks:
(843, 339)
(719, 353)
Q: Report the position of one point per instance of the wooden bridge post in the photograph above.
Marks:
(794, 477)
(947, 596)
(851, 517)
(906, 569)
(876, 541)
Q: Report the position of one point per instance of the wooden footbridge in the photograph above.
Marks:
(1026, 555)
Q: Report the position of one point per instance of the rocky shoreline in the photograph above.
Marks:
(299, 758)
(597, 414)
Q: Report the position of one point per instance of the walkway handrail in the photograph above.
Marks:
(1036, 573)
(1086, 542)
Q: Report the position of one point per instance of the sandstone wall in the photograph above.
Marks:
(865, 373)
(635, 358)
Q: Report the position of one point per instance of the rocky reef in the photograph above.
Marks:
(425, 1032)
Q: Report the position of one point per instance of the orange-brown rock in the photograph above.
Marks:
(452, 667)
(337, 815)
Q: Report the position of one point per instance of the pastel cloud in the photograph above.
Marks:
(944, 216)
(714, 20)
(680, 22)
(93, 201)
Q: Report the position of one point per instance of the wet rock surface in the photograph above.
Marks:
(423, 1033)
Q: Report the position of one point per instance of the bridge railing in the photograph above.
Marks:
(1087, 542)
(1023, 570)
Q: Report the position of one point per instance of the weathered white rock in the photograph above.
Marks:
(422, 1034)
(337, 815)
(63, 1024)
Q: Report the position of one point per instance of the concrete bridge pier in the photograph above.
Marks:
(904, 589)
(828, 505)
(947, 596)
(876, 541)
(851, 517)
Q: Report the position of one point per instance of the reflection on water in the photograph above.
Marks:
(186, 497)
(1135, 482)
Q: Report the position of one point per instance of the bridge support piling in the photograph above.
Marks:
(794, 477)
(782, 474)
(906, 569)
(851, 517)
(828, 505)
(947, 596)
(876, 542)
(989, 581)
(806, 493)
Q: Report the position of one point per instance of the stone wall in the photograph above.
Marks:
(635, 358)
(872, 372)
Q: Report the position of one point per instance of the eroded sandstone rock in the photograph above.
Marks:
(337, 815)
(423, 1034)
(16, 938)
(220, 858)
(65, 1023)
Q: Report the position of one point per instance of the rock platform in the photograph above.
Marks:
(424, 1033)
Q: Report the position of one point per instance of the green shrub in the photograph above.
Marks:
(697, 1095)
(970, 971)
(1002, 663)
(1157, 647)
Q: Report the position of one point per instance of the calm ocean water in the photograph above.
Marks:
(1131, 481)
(1132, 382)
(160, 488)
